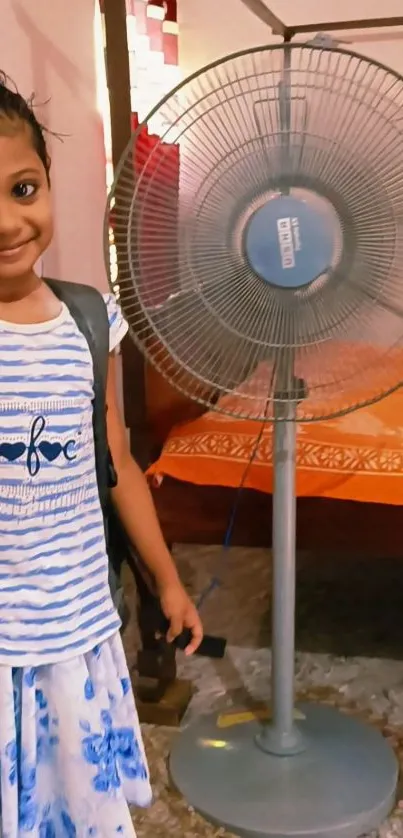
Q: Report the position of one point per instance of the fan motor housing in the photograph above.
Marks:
(288, 242)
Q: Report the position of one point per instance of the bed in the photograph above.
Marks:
(349, 476)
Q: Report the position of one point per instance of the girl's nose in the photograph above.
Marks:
(10, 219)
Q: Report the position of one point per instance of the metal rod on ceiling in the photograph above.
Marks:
(278, 27)
(259, 8)
(344, 25)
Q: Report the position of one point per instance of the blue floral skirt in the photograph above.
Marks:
(71, 753)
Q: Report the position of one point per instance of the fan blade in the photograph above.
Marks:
(259, 8)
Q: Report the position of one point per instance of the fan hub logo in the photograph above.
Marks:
(289, 241)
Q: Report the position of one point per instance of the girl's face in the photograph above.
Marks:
(26, 226)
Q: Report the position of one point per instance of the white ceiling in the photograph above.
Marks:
(210, 29)
(294, 11)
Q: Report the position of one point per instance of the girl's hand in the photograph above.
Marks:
(182, 614)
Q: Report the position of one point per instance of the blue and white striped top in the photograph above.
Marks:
(54, 595)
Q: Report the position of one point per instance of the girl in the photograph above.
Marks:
(71, 755)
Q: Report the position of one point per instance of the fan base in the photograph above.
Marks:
(342, 786)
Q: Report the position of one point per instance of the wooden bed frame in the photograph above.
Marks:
(200, 514)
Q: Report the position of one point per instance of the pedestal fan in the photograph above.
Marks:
(260, 246)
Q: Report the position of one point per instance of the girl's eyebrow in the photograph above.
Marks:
(25, 172)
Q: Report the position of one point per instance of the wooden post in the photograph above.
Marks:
(162, 698)
(118, 79)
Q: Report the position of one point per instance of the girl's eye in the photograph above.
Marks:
(24, 190)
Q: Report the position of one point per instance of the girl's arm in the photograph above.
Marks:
(135, 507)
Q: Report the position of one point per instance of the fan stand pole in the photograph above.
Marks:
(282, 736)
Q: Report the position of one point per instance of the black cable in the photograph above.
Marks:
(215, 582)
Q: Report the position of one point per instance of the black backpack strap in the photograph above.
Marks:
(87, 307)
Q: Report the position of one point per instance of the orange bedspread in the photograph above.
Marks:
(356, 457)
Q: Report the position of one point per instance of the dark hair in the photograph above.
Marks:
(14, 106)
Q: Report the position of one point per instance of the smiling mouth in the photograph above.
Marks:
(14, 250)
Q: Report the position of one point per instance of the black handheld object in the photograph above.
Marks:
(210, 647)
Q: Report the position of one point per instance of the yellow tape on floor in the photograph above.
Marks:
(247, 716)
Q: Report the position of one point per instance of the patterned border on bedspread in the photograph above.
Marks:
(356, 457)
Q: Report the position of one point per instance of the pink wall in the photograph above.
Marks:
(47, 47)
